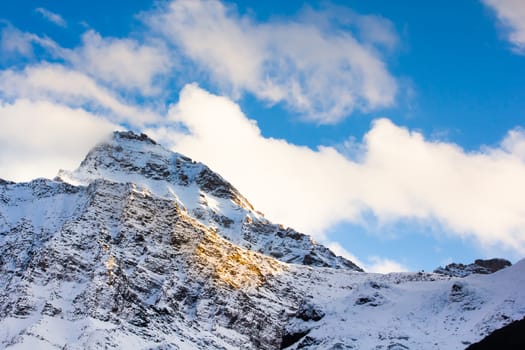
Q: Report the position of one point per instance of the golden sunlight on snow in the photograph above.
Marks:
(236, 267)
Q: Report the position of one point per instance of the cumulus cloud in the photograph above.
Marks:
(57, 83)
(398, 174)
(121, 63)
(38, 138)
(314, 63)
(511, 13)
(51, 17)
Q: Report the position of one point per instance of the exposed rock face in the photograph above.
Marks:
(479, 266)
(5, 182)
(141, 248)
(493, 265)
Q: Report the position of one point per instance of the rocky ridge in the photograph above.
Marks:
(480, 266)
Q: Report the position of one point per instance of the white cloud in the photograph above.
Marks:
(121, 63)
(309, 62)
(57, 83)
(374, 263)
(514, 143)
(511, 13)
(39, 138)
(383, 265)
(399, 175)
(51, 17)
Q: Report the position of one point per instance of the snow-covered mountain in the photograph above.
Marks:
(142, 248)
(200, 193)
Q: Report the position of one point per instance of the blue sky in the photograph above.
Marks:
(390, 131)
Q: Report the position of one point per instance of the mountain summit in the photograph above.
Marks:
(144, 248)
(200, 193)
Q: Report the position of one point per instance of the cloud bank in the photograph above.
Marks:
(398, 175)
(313, 65)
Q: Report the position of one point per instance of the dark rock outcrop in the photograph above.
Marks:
(480, 266)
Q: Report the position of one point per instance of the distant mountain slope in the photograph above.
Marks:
(141, 248)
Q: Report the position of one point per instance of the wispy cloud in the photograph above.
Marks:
(121, 63)
(314, 62)
(54, 82)
(101, 74)
(323, 64)
(51, 17)
(511, 14)
(16, 43)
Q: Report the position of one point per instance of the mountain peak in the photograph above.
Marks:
(205, 195)
(130, 135)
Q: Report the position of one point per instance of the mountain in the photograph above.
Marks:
(142, 248)
(201, 193)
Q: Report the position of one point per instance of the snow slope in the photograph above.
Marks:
(143, 248)
(409, 310)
